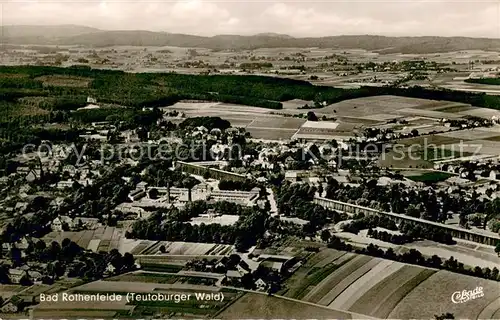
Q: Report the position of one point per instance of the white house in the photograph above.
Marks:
(260, 284)
(59, 222)
(494, 175)
(110, 268)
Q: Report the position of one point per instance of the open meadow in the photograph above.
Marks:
(261, 306)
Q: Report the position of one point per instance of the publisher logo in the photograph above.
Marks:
(467, 295)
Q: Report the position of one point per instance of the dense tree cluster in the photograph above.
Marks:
(67, 258)
(246, 185)
(129, 116)
(414, 231)
(389, 237)
(419, 203)
(370, 222)
(166, 226)
(207, 122)
(295, 200)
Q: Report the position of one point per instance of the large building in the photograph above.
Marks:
(200, 170)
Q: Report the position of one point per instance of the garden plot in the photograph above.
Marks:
(97, 240)
(185, 248)
(435, 295)
(141, 246)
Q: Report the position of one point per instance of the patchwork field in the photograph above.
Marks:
(100, 239)
(146, 247)
(313, 272)
(387, 289)
(108, 238)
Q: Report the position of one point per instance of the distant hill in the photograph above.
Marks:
(275, 35)
(79, 35)
(25, 31)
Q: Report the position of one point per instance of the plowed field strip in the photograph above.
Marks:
(347, 281)
(363, 284)
(333, 279)
(386, 306)
(370, 300)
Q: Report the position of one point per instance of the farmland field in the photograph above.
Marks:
(145, 277)
(382, 288)
(438, 140)
(276, 122)
(320, 292)
(363, 284)
(435, 294)
(474, 134)
(260, 306)
(453, 108)
(431, 177)
(271, 134)
(318, 267)
(373, 105)
(371, 300)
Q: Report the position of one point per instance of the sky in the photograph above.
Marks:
(473, 18)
